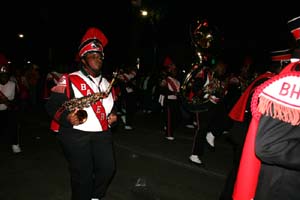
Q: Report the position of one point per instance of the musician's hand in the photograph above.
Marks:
(73, 118)
(112, 117)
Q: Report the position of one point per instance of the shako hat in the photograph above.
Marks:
(279, 59)
(168, 63)
(294, 27)
(3, 59)
(3, 64)
(281, 55)
(93, 40)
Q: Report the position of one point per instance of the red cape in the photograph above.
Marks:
(237, 112)
(247, 177)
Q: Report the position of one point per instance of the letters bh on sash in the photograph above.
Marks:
(290, 90)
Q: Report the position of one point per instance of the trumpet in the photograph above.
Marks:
(86, 101)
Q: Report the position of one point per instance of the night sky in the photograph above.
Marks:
(245, 27)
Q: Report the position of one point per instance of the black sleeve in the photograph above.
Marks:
(52, 106)
(278, 143)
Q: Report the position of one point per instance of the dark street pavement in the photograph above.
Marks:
(148, 166)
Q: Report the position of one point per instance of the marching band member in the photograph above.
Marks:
(87, 143)
(169, 89)
(210, 85)
(127, 81)
(8, 117)
(269, 165)
(241, 115)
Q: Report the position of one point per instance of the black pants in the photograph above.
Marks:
(131, 107)
(9, 128)
(91, 162)
(212, 120)
(237, 137)
(171, 116)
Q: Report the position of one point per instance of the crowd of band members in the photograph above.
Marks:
(149, 89)
(33, 86)
(21, 87)
(161, 93)
(137, 90)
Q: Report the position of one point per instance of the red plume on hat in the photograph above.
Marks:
(168, 62)
(93, 40)
(3, 64)
(3, 59)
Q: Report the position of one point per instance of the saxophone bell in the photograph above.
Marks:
(81, 115)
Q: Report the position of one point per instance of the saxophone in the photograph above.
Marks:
(86, 101)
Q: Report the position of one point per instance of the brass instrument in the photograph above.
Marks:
(197, 103)
(86, 101)
(203, 38)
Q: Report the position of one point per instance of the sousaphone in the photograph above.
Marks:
(203, 39)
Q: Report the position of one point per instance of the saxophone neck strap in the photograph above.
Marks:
(97, 106)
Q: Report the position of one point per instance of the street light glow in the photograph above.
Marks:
(144, 13)
(21, 35)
